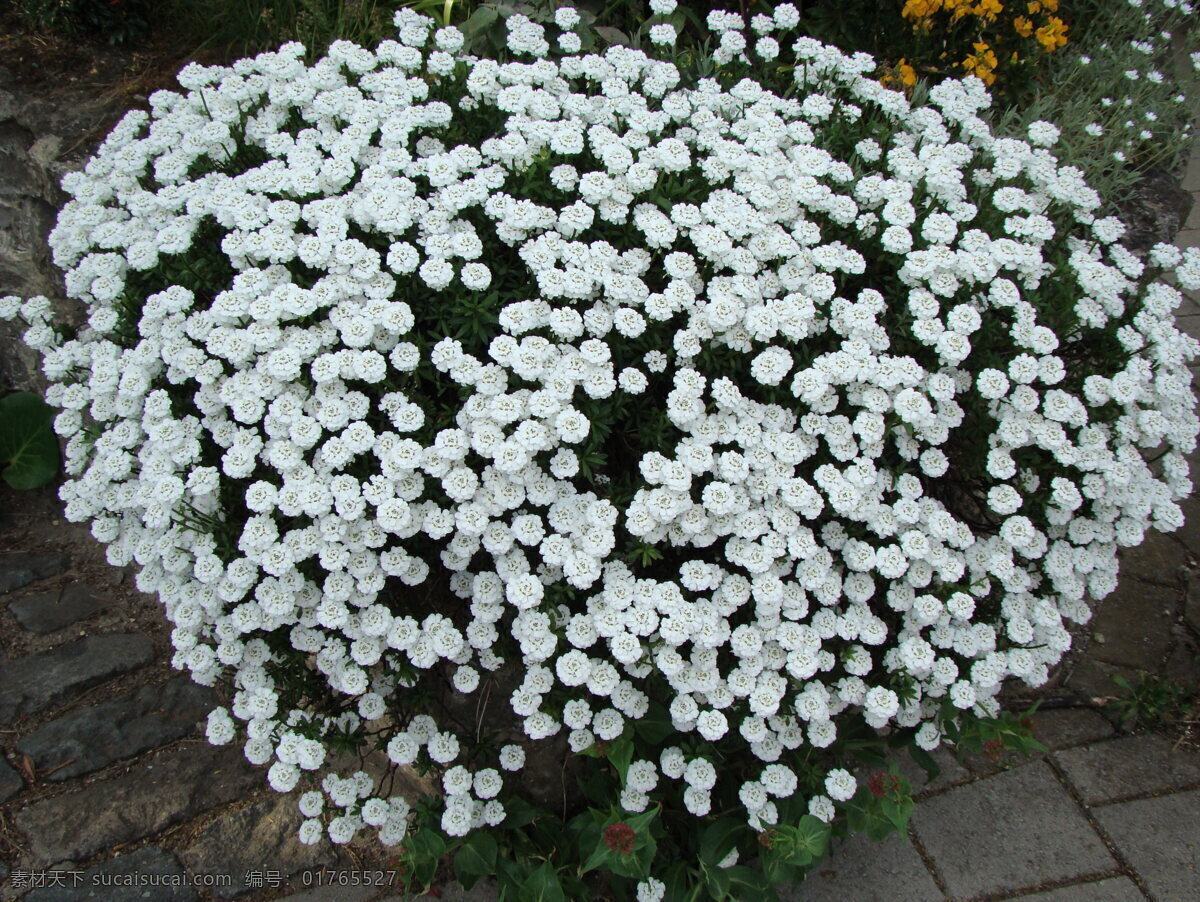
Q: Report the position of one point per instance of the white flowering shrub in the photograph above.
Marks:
(714, 423)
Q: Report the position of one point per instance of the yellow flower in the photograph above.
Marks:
(1052, 35)
(1023, 26)
(1050, 6)
(989, 9)
(1034, 7)
(920, 9)
(901, 73)
(981, 63)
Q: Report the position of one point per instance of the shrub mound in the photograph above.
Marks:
(716, 412)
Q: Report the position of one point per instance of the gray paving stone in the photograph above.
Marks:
(94, 737)
(331, 894)
(483, 891)
(1063, 727)
(10, 781)
(149, 873)
(1183, 663)
(259, 837)
(1135, 622)
(172, 787)
(1094, 679)
(1008, 832)
(20, 568)
(1191, 610)
(888, 871)
(951, 771)
(1134, 765)
(36, 681)
(1114, 889)
(52, 611)
(1159, 559)
(1161, 838)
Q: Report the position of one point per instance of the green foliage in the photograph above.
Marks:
(992, 736)
(1155, 701)
(881, 807)
(28, 446)
(113, 21)
(249, 26)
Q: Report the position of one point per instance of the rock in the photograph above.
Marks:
(1160, 559)
(254, 844)
(8, 106)
(52, 611)
(142, 875)
(1064, 727)
(37, 681)
(172, 787)
(46, 149)
(337, 894)
(1154, 209)
(24, 567)
(10, 781)
(148, 873)
(1136, 622)
(94, 737)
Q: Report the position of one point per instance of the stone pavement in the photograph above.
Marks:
(104, 772)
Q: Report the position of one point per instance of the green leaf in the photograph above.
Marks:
(718, 840)
(865, 815)
(656, 726)
(898, 812)
(679, 884)
(598, 854)
(482, 19)
(612, 35)
(512, 876)
(519, 813)
(543, 886)
(718, 882)
(620, 753)
(803, 843)
(747, 883)
(27, 442)
(477, 858)
(925, 761)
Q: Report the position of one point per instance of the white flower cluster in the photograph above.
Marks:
(841, 346)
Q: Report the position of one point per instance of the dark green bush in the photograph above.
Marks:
(113, 21)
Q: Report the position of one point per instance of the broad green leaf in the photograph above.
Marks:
(656, 726)
(814, 833)
(612, 35)
(477, 858)
(620, 753)
(718, 882)
(925, 761)
(718, 840)
(519, 812)
(512, 876)
(28, 446)
(747, 883)
(543, 886)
